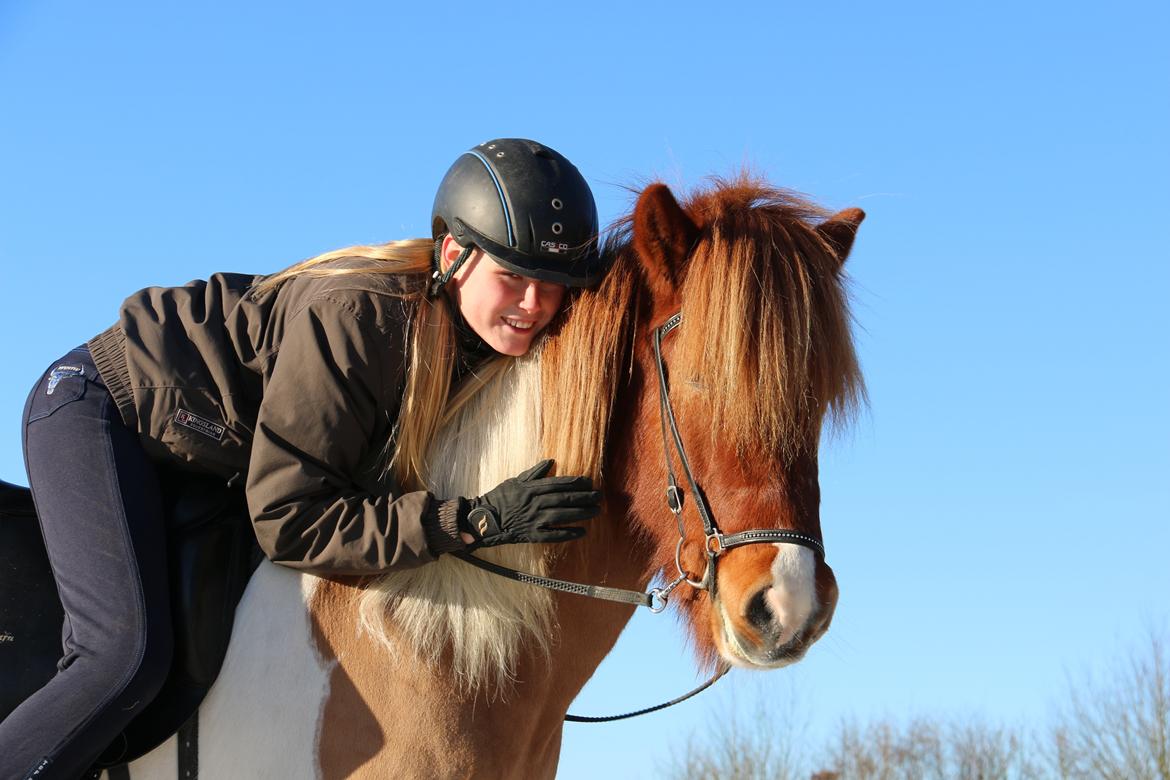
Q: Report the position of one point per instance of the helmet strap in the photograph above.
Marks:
(439, 278)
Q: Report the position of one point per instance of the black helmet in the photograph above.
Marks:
(526, 206)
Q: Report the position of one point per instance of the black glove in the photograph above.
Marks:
(531, 508)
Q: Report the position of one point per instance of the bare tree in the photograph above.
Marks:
(927, 749)
(1114, 729)
(979, 751)
(762, 745)
(884, 751)
(1118, 727)
(760, 748)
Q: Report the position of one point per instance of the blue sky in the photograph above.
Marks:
(997, 517)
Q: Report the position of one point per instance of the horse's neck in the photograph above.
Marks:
(387, 713)
(610, 554)
(466, 672)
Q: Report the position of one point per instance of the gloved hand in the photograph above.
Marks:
(531, 508)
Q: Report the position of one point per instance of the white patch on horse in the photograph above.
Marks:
(480, 618)
(261, 717)
(792, 599)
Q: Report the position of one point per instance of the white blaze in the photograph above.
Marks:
(792, 598)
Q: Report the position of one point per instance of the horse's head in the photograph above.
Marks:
(762, 355)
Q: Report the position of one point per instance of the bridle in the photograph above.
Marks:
(715, 541)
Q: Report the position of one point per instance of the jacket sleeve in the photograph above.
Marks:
(321, 409)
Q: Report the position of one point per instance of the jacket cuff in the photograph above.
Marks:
(441, 525)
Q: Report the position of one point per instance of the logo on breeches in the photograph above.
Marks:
(60, 372)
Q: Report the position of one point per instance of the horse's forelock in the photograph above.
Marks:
(766, 324)
(766, 327)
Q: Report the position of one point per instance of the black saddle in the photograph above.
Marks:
(212, 553)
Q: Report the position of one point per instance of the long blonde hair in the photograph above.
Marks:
(426, 401)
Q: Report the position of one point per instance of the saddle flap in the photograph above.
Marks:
(30, 611)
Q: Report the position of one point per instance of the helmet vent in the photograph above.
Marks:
(557, 204)
(557, 228)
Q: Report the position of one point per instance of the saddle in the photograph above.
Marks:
(212, 553)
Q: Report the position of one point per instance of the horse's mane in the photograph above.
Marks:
(766, 329)
(583, 365)
(448, 611)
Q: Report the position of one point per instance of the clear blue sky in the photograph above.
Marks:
(997, 517)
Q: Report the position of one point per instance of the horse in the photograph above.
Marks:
(452, 671)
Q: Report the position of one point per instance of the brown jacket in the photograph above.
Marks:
(295, 388)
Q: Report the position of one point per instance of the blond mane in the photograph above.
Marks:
(448, 610)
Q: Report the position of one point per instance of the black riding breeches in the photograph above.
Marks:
(97, 497)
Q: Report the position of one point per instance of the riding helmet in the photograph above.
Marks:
(525, 205)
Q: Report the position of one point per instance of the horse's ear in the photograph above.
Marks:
(840, 229)
(663, 237)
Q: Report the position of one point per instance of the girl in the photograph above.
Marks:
(319, 389)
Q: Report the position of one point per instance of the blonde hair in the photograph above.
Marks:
(426, 400)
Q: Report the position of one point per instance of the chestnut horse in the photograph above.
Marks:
(451, 671)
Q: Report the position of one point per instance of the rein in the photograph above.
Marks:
(715, 542)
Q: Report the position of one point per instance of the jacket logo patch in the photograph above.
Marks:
(200, 424)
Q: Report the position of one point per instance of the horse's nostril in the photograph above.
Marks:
(758, 612)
